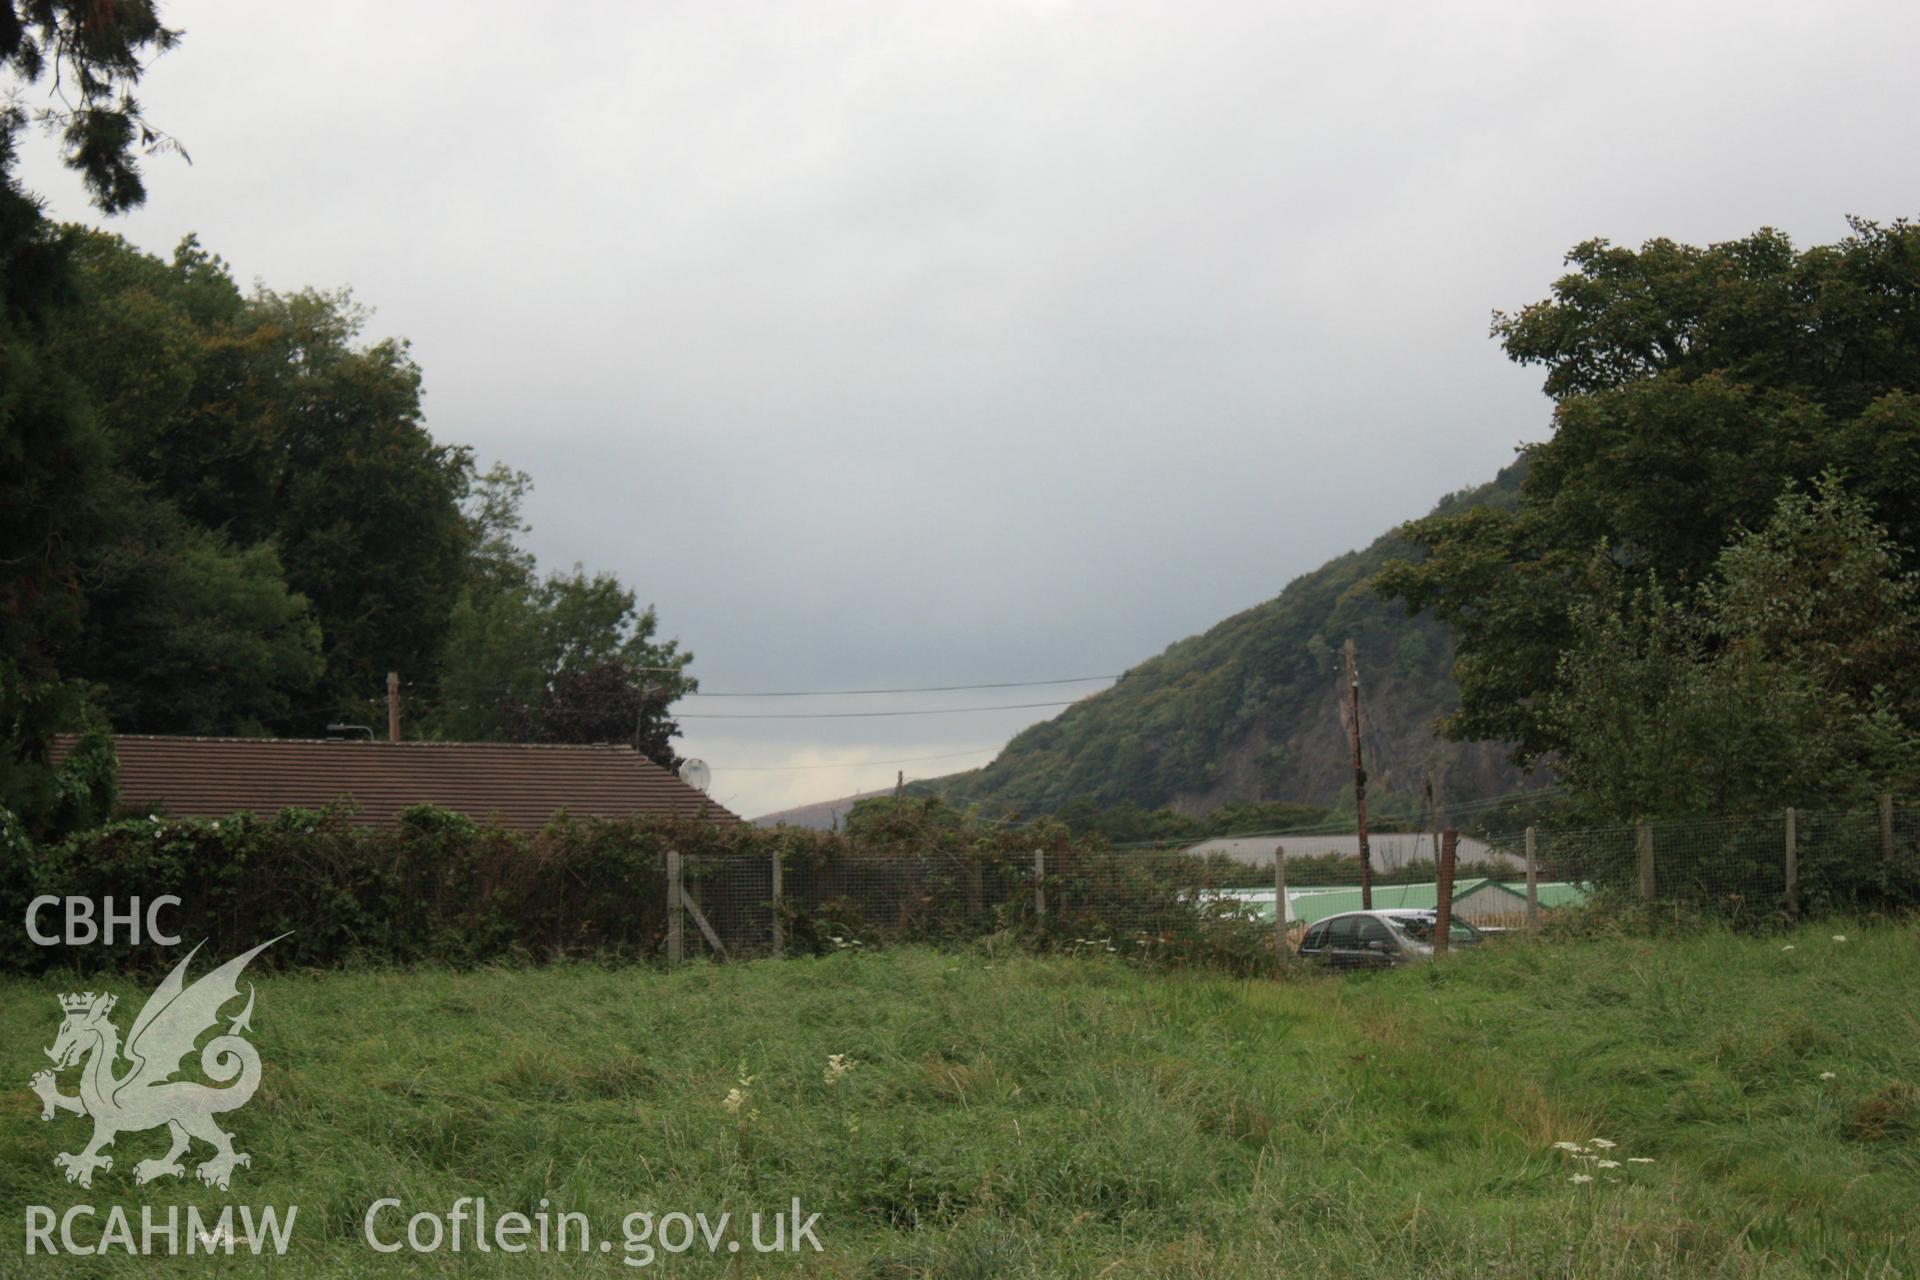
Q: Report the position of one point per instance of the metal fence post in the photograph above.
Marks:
(1790, 863)
(1643, 840)
(676, 922)
(779, 925)
(1533, 886)
(1040, 885)
(1280, 903)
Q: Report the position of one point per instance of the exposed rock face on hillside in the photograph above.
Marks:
(1249, 711)
(1320, 769)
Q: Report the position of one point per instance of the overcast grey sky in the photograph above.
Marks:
(890, 344)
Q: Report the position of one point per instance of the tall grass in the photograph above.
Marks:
(1011, 1115)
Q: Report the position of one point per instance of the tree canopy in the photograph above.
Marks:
(95, 54)
(564, 657)
(221, 510)
(1790, 677)
(1691, 386)
(58, 490)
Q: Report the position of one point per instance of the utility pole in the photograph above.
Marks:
(899, 786)
(393, 706)
(1359, 779)
(1436, 812)
(1282, 951)
(1443, 891)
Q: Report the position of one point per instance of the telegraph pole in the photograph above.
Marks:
(1436, 812)
(1359, 780)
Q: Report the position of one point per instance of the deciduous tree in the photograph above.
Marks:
(1785, 679)
(1690, 384)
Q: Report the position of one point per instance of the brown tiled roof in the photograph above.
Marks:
(516, 784)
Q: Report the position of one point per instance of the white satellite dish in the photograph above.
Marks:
(696, 774)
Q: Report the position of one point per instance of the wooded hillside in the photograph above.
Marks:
(1248, 711)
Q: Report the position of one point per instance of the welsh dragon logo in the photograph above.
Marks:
(144, 1096)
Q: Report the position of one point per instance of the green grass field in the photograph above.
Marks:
(1011, 1115)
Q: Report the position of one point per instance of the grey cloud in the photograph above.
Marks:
(923, 344)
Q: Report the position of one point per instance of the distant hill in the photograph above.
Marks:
(823, 816)
(1249, 711)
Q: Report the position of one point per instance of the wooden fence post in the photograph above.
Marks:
(1643, 841)
(1280, 903)
(1040, 885)
(1791, 863)
(1886, 829)
(779, 924)
(1443, 892)
(676, 922)
(1533, 885)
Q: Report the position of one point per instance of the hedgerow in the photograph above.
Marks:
(440, 887)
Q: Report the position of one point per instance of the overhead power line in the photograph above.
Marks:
(469, 690)
(931, 688)
(852, 764)
(603, 701)
(861, 715)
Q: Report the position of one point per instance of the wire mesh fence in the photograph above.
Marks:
(1180, 903)
(440, 887)
(851, 896)
(1790, 864)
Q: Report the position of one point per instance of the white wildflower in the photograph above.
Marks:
(1639, 1159)
(739, 1098)
(838, 1064)
(1839, 937)
(1788, 947)
(1581, 1177)
(1609, 1164)
(1601, 1143)
(1569, 1146)
(1827, 1075)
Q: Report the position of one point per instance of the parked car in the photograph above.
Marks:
(1377, 939)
